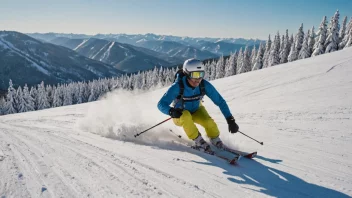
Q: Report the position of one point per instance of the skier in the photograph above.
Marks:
(186, 94)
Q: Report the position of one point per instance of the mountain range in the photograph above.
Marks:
(27, 60)
(175, 46)
(58, 58)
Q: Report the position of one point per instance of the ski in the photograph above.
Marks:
(230, 160)
(244, 154)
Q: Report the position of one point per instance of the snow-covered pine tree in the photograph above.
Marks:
(49, 91)
(2, 105)
(34, 94)
(311, 41)
(259, 59)
(94, 92)
(43, 102)
(212, 70)
(81, 92)
(292, 42)
(246, 62)
(299, 38)
(68, 95)
(220, 68)
(293, 55)
(253, 56)
(304, 53)
(347, 36)
(58, 96)
(11, 106)
(155, 77)
(27, 103)
(19, 100)
(296, 47)
(266, 53)
(282, 43)
(332, 40)
(342, 32)
(320, 39)
(144, 81)
(285, 49)
(239, 61)
(274, 58)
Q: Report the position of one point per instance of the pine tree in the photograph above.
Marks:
(259, 59)
(246, 60)
(285, 49)
(232, 65)
(212, 70)
(311, 41)
(2, 105)
(239, 61)
(349, 41)
(304, 53)
(27, 103)
(299, 38)
(342, 32)
(20, 101)
(67, 95)
(11, 106)
(332, 40)
(267, 53)
(347, 36)
(43, 102)
(49, 92)
(58, 96)
(253, 56)
(245, 65)
(321, 38)
(220, 68)
(94, 91)
(34, 94)
(293, 53)
(274, 58)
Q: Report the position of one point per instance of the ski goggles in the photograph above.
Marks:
(196, 74)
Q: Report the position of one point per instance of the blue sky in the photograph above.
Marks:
(195, 18)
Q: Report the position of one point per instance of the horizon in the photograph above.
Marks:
(182, 18)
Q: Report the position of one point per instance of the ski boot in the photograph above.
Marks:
(217, 143)
(202, 144)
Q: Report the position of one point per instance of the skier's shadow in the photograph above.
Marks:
(270, 181)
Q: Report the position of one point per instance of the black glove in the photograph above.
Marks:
(233, 127)
(175, 113)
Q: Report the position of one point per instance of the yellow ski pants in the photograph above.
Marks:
(201, 117)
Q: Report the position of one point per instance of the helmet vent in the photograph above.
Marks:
(199, 67)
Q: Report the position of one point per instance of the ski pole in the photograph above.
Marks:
(138, 134)
(262, 143)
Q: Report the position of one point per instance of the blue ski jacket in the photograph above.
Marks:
(192, 106)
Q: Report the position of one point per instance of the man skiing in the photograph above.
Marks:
(186, 94)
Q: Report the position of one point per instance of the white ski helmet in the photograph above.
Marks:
(193, 68)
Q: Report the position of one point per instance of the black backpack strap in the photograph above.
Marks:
(182, 89)
(202, 88)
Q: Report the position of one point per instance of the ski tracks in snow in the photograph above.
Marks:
(49, 163)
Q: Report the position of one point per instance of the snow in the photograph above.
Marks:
(301, 111)
(107, 52)
(101, 49)
(78, 46)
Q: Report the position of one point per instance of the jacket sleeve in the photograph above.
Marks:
(168, 97)
(217, 99)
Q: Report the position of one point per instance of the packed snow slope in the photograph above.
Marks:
(301, 111)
